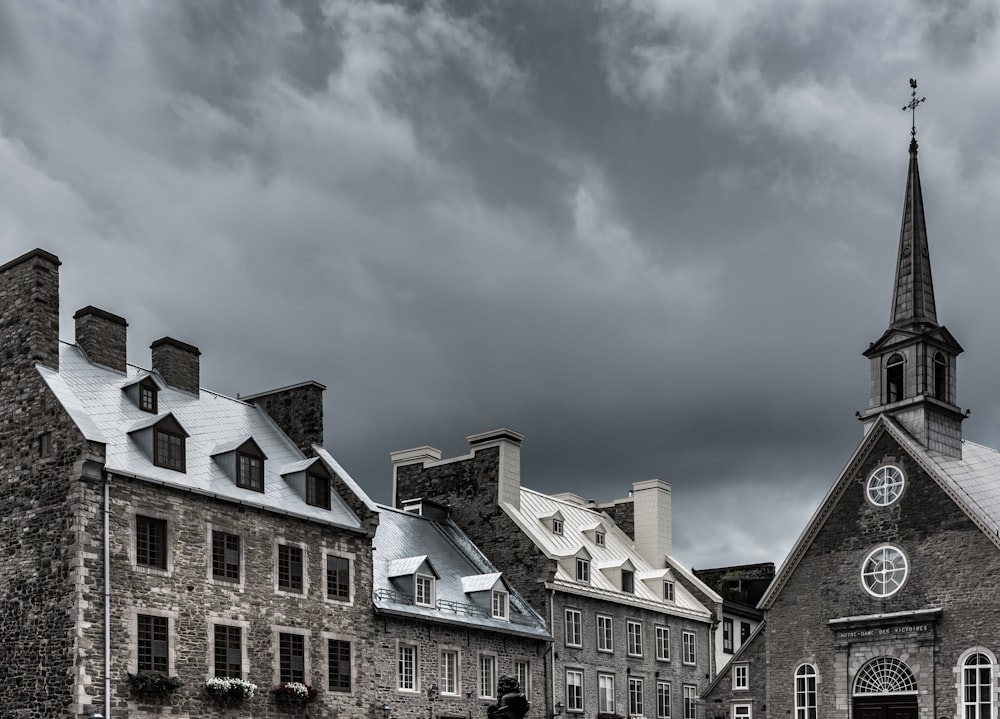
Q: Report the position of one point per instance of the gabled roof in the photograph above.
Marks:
(460, 569)
(972, 482)
(144, 375)
(617, 549)
(92, 396)
(737, 658)
(406, 566)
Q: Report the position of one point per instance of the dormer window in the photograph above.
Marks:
(169, 449)
(557, 525)
(250, 471)
(582, 570)
(501, 603)
(423, 590)
(148, 395)
(668, 591)
(318, 490)
(599, 538)
(628, 581)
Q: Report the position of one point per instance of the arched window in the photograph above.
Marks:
(894, 379)
(884, 675)
(805, 692)
(977, 686)
(940, 377)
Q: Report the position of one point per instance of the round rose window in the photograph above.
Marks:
(885, 485)
(884, 571)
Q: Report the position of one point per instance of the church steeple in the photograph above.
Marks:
(913, 363)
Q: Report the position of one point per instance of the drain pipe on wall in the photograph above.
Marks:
(107, 595)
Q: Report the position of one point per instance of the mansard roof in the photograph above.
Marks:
(972, 481)
(460, 571)
(92, 396)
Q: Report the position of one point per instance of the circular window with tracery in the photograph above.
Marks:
(885, 485)
(884, 571)
(884, 675)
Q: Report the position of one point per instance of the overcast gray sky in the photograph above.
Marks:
(653, 236)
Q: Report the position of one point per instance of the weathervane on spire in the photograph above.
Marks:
(912, 107)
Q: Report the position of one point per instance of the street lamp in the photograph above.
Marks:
(386, 711)
(558, 708)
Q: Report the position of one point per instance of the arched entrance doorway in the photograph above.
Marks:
(885, 688)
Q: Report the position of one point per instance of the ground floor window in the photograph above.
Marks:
(635, 698)
(741, 711)
(977, 687)
(663, 700)
(606, 693)
(690, 701)
(805, 692)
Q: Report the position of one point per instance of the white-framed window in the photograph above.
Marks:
(689, 648)
(582, 569)
(741, 711)
(599, 538)
(574, 690)
(605, 633)
(500, 604)
(574, 628)
(522, 672)
(606, 693)
(727, 635)
(690, 701)
(741, 676)
(633, 635)
(977, 686)
(663, 700)
(406, 668)
(884, 571)
(423, 590)
(805, 692)
(628, 581)
(557, 525)
(885, 485)
(663, 643)
(636, 703)
(668, 590)
(487, 676)
(449, 672)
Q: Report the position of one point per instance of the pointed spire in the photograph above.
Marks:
(913, 295)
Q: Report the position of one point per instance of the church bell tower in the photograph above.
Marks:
(913, 363)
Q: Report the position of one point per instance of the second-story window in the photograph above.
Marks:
(574, 628)
(338, 577)
(633, 632)
(690, 653)
(225, 556)
(727, 635)
(151, 542)
(289, 568)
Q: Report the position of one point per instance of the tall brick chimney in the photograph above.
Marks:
(102, 336)
(297, 410)
(178, 363)
(652, 505)
(509, 443)
(29, 313)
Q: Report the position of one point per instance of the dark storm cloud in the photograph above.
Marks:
(652, 236)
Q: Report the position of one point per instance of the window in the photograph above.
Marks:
(152, 643)
(169, 450)
(977, 683)
(339, 665)
(690, 701)
(290, 569)
(225, 556)
(557, 525)
(487, 676)
(885, 486)
(338, 577)
(424, 590)
(522, 672)
(291, 658)
(628, 581)
(884, 675)
(449, 671)
(894, 379)
(574, 690)
(805, 692)
(668, 591)
(741, 711)
(606, 693)
(406, 668)
(500, 604)
(582, 569)
(663, 643)
(741, 676)
(663, 700)
(744, 632)
(635, 698)
(633, 633)
(940, 377)
(147, 396)
(228, 651)
(884, 571)
(605, 633)
(690, 655)
(574, 628)
(151, 542)
(45, 444)
(599, 538)
(250, 471)
(318, 491)
(727, 635)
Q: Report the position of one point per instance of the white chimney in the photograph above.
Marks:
(651, 504)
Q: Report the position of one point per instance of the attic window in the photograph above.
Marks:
(148, 395)
(318, 491)
(250, 471)
(582, 570)
(557, 525)
(668, 590)
(423, 594)
(599, 538)
(169, 449)
(500, 602)
(628, 581)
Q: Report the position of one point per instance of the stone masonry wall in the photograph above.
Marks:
(721, 696)
(297, 410)
(430, 639)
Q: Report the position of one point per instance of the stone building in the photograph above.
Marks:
(741, 588)
(884, 607)
(157, 529)
(630, 637)
(448, 624)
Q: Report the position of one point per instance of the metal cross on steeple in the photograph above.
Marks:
(912, 107)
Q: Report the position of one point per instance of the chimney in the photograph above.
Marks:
(101, 335)
(178, 364)
(399, 458)
(509, 472)
(651, 504)
(297, 410)
(29, 313)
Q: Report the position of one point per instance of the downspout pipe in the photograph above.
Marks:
(107, 595)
